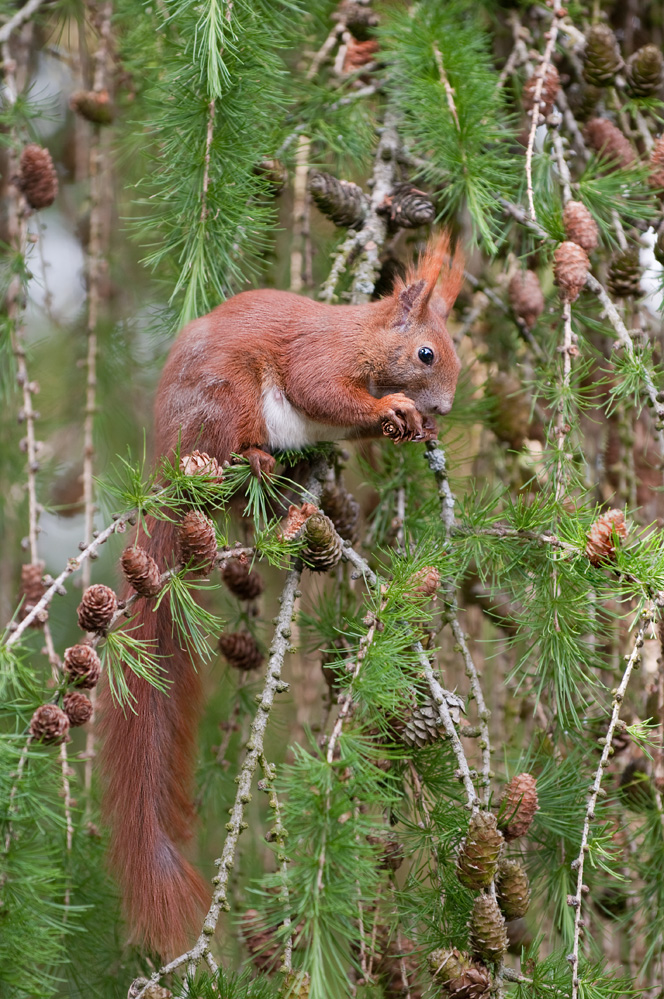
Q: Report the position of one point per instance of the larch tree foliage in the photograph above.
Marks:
(432, 758)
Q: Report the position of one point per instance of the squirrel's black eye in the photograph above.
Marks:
(425, 355)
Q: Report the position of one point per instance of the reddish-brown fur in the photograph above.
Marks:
(261, 366)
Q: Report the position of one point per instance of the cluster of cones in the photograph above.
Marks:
(480, 865)
(81, 666)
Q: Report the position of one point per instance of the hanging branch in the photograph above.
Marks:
(435, 457)
(17, 226)
(369, 240)
(73, 564)
(301, 247)
(19, 18)
(273, 684)
(576, 901)
(541, 73)
(278, 833)
(95, 262)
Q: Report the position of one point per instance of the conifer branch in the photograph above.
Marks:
(272, 685)
(300, 256)
(540, 73)
(206, 162)
(17, 226)
(119, 525)
(440, 696)
(278, 834)
(369, 240)
(576, 901)
(20, 17)
(436, 459)
(97, 163)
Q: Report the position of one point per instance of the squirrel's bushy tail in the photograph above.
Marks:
(147, 762)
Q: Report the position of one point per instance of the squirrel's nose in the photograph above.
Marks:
(441, 409)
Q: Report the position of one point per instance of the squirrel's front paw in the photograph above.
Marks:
(402, 421)
(260, 461)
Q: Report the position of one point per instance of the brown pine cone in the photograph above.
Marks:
(342, 509)
(512, 889)
(37, 179)
(488, 935)
(296, 518)
(609, 141)
(570, 267)
(31, 591)
(142, 571)
(274, 172)
(82, 666)
(408, 207)
(96, 609)
(550, 89)
(518, 806)
(343, 202)
(624, 277)
(644, 71)
(480, 851)
(77, 707)
(323, 547)
(426, 581)
(391, 851)
(261, 942)
(200, 463)
(460, 977)
(197, 542)
(601, 546)
(359, 54)
(418, 722)
(602, 58)
(94, 106)
(526, 298)
(580, 226)
(49, 724)
(656, 177)
(240, 650)
(243, 583)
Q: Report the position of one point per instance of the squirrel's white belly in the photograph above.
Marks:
(289, 428)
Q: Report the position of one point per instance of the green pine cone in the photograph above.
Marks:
(602, 56)
(488, 935)
(480, 851)
(323, 545)
(624, 278)
(512, 889)
(644, 71)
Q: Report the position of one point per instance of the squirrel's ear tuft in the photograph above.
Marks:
(410, 302)
(435, 281)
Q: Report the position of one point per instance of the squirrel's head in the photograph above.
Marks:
(419, 358)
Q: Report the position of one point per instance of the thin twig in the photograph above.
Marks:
(449, 90)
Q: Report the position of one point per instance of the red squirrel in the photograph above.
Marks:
(265, 370)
